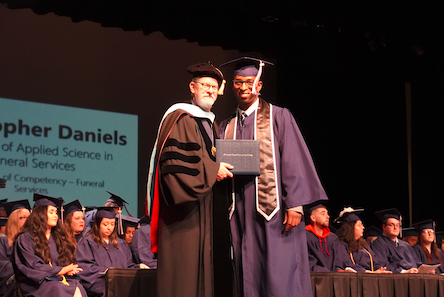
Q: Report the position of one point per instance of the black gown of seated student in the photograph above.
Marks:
(141, 245)
(36, 276)
(17, 212)
(424, 256)
(96, 257)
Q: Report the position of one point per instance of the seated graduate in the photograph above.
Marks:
(44, 262)
(410, 235)
(18, 213)
(351, 233)
(101, 249)
(3, 216)
(114, 201)
(426, 248)
(74, 221)
(130, 225)
(141, 244)
(371, 233)
(397, 255)
(440, 242)
(320, 241)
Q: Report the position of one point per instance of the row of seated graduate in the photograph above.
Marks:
(80, 252)
(386, 251)
(61, 250)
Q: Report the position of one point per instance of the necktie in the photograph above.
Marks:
(243, 116)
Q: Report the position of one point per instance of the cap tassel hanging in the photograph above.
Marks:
(257, 79)
(61, 212)
(222, 88)
(120, 222)
(83, 210)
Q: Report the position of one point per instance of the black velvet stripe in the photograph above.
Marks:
(186, 146)
(178, 156)
(172, 169)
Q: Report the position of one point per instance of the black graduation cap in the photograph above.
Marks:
(206, 70)
(72, 207)
(372, 231)
(14, 205)
(41, 199)
(105, 212)
(427, 224)
(2, 183)
(247, 66)
(116, 199)
(348, 214)
(310, 207)
(388, 213)
(3, 221)
(3, 201)
(439, 236)
(145, 220)
(410, 231)
(130, 221)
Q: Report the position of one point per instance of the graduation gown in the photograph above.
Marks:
(322, 251)
(7, 279)
(270, 261)
(360, 260)
(95, 259)
(187, 174)
(140, 247)
(396, 257)
(36, 278)
(422, 258)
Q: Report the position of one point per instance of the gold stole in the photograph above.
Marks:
(267, 190)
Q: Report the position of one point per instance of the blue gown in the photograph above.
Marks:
(360, 260)
(140, 247)
(270, 261)
(94, 259)
(7, 279)
(323, 252)
(395, 257)
(422, 258)
(36, 278)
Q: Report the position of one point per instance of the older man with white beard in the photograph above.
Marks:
(183, 173)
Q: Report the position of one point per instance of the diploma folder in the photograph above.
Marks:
(244, 155)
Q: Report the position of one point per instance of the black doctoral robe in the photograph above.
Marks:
(187, 174)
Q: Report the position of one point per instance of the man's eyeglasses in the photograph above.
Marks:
(207, 87)
(239, 82)
(393, 225)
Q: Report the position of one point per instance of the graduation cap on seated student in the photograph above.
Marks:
(130, 222)
(3, 221)
(108, 212)
(145, 220)
(385, 214)
(372, 231)
(2, 183)
(248, 66)
(425, 226)
(349, 214)
(409, 231)
(308, 209)
(40, 199)
(14, 205)
(71, 207)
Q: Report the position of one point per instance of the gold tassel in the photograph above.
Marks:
(222, 88)
(64, 281)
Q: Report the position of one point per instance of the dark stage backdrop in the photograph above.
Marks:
(348, 99)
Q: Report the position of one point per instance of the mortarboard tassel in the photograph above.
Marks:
(258, 77)
(83, 210)
(120, 222)
(61, 212)
(222, 88)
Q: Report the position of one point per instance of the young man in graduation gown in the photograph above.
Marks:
(140, 246)
(183, 172)
(268, 237)
(391, 252)
(321, 242)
